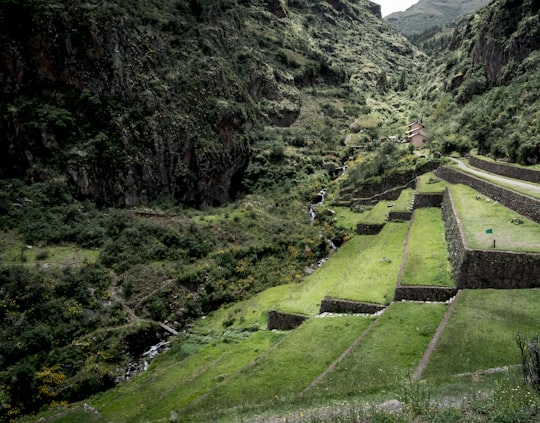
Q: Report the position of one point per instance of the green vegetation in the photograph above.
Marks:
(364, 269)
(247, 110)
(478, 214)
(427, 261)
(272, 379)
(482, 329)
(174, 380)
(388, 353)
(428, 183)
(378, 214)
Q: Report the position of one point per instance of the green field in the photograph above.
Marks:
(283, 373)
(13, 251)
(427, 261)
(364, 269)
(180, 377)
(479, 213)
(378, 214)
(481, 331)
(388, 354)
(428, 183)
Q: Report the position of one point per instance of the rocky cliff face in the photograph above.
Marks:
(500, 38)
(105, 95)
(128, 102)
(509, 34)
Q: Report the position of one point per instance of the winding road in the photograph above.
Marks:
(497, 178)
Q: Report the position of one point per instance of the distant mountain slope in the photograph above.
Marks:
(485, 82)
(133, 102)
(427, 14)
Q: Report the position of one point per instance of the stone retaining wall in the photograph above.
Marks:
(399, 215)
(369, 229)
(332, 305)
(515, 172)
(484, 268)
(284, 321)
(427, 199)
(520, 203)
(424, 293)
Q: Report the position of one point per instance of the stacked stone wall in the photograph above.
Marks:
(484, 268)
(424, 293)
(520, 203)
(515, 172)
(332, 305)
(399, 215)
(426, 200)
(284, 321)
(369, 229)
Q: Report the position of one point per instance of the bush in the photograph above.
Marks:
(530, 359)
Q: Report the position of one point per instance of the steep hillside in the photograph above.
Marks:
(484, 88)
(169, 105)
(132, 103)
(429, 15)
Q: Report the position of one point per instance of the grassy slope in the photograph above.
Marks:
(482, 214)
(286, 371)
(388, 353)
(480, 333)
(174, 380)
(364, 269)
(427, 261)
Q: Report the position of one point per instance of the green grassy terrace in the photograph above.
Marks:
(428, 183)
(427, 261)
(479, 215)
(364, 269)
(388, 354)
(378, 213)
(481, 331)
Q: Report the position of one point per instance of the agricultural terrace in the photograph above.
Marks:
(364, 269)
(190, 370)
(285, 371)
(379, 213)
(388, 354)
(427, 261)
(429, 183)
(481, 331)
(479, 214)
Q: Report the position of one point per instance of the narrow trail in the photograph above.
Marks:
(433, 343)
(497, 178)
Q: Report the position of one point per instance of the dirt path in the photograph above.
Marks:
(427, 354)
(497, 178)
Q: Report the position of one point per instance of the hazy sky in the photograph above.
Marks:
(389, 6)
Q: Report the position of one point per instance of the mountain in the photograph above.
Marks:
(484, 82)
(162, 99)
(429, 14)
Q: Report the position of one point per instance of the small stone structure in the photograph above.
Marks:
(427, 199)
(284, 321)
(515, 172)
(369, 228)
(332, 305)
(399, 216)
(424, 293)
(485, 268)
(520, 203)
